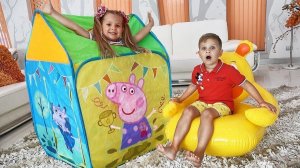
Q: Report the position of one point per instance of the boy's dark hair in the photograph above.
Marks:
(213, 36)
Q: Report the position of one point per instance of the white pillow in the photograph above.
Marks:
(164, 35)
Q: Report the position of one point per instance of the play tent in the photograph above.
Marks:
(89, 111)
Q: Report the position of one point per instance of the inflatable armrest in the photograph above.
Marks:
(171, 109)
(261, 116)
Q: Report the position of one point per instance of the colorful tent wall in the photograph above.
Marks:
(89, 111)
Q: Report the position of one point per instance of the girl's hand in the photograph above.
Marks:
(144, 32)
(150, 20)
(44, 5)
(268, 106)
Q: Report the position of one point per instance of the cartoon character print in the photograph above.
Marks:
(132, 106)
(62, 121)
(199, 79)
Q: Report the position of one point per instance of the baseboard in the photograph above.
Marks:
(264, 59)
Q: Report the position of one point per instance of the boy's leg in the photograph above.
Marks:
(205, 132)
(182, 128)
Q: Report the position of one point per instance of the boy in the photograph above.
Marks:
(214, 81)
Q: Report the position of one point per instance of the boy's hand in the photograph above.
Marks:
(268, 106)
(150, 20)
(176, 99)
(44, 5)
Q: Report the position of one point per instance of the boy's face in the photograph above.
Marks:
(210, 51)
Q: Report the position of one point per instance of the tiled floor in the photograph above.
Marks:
(269, 76)
(275, 75)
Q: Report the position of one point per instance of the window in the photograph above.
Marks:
(4, 35)
(173, 11)
(122, 5)
(247, 21)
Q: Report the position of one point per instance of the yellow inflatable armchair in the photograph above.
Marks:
(236, 134)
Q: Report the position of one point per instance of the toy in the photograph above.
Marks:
(236, 134)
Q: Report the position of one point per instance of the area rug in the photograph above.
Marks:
(279, 148)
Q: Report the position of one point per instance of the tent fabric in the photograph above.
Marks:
(80, 48)
(89, 111)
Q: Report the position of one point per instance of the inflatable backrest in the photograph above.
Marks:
(238, 60)
(89, 111)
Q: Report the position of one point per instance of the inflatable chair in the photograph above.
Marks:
(89, 111)
(236, 134)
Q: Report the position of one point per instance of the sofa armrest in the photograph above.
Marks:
(14, 103)
(164, 35)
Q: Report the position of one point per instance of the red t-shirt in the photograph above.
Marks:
(217, 85)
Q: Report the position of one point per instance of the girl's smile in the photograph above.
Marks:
(112, 27)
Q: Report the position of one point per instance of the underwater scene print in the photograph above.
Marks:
(55, 111)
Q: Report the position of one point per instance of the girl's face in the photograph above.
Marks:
(112, 27)
(209, 52)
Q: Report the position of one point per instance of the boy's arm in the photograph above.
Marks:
(189, 91)
(256, 95)
(47, 8)
(141, 34)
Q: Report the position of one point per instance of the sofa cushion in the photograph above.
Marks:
(164, 35)
(185, 36)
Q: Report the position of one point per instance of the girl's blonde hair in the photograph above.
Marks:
(104, 46)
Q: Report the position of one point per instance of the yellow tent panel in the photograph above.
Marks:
(44, 46)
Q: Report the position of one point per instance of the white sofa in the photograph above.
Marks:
(181, 42)
(14, 105)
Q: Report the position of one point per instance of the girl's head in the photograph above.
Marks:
(112, 26)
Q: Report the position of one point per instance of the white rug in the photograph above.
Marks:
(280, 147)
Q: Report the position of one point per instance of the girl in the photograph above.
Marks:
(110, 28)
